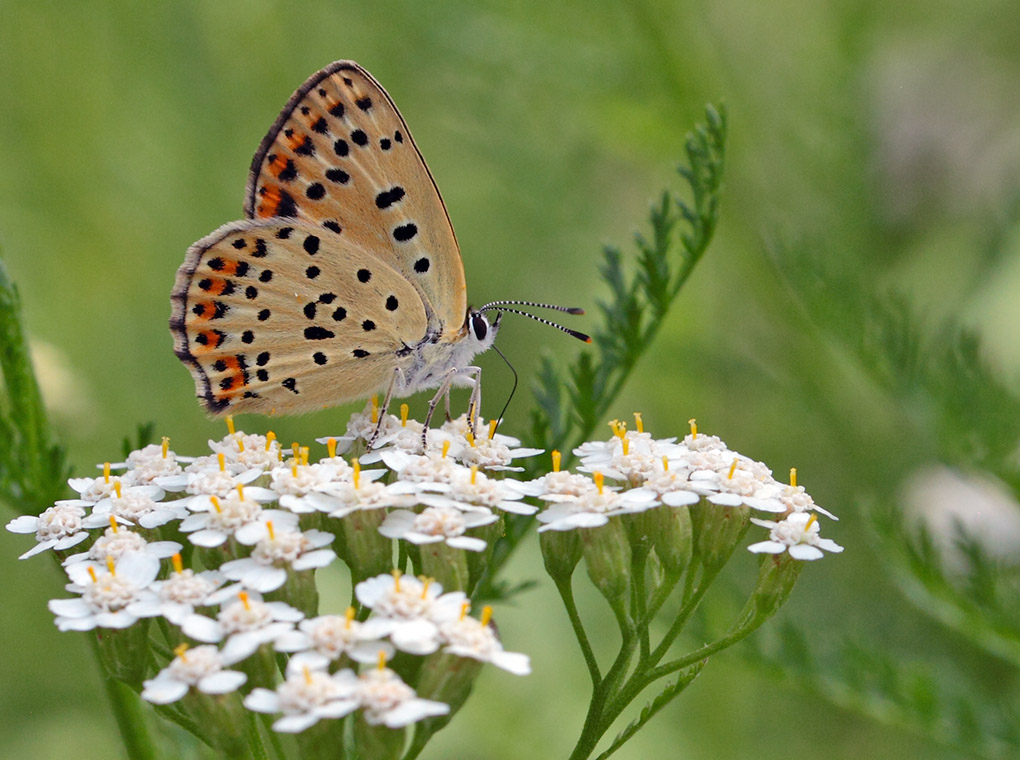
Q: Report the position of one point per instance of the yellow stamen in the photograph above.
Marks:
(295, 449)
(493, 424)
(811, 521)
(240, 492)
(331, 447)
(486, 614)
(230, 423)
(375, 409)
(474, 473)
(180, 649)
(243, 596)
(446, 448)
(382, 659)
(665, 463)
(396, 580)
(348, 616)
(357, 472)
(166, 446)
(270, 437)
(404, 410)
(240, 445)
(178, 563)
(626, 446)
(599, 480)
(308, 674)
(116, 487)
(638, 422)
(293, 468)
(106, 472)
(111, 565)
(557, 457)
(113, 523)
(269, 529)
(470, 438)
(425, 583)
(222, 461)
(216, 503)
(793, 477)
(464, 607)
(733, 469)
(614, 425)
(92, 573)
(694, 427)
(304, 455)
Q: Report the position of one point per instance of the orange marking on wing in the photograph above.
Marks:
(229, 267)
(207, 340)
(277, 165)
(296, 141)
(270, 201)
(216, 286)
(208, 309)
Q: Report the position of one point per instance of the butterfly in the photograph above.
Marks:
(345, 276)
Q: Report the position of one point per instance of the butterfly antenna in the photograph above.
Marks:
(567, 330)
(554, 307)
(513, 390)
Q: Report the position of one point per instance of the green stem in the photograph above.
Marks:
(131, 720)
(594, 723)
(688, 608)
(567, 595)
(258, 749)
(637, 597)
(660, 597)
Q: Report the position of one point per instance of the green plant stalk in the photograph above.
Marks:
(131, 721)
(567, 595)
(592, 730)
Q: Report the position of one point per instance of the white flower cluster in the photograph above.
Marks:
(261, 519)
(255, 515)
(671, 473)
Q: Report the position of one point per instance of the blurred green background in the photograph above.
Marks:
(885, 134)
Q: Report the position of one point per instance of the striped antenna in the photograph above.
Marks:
(567, 330)
(554, 307)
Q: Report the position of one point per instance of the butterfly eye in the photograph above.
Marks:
(480, 326)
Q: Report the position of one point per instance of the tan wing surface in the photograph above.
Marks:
(283, 316)
(341, 156)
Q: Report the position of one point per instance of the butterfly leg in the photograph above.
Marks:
(397, 373)
(444, 392)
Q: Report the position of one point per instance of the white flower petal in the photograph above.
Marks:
(223, 682)
(202, 628)
(467, 542)
(162, 691)
(263, 701)
(805, 552)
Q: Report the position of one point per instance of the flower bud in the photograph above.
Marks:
(717, 531)
(446, 564)
(124, 652)
(379, 741)
(607, 555)
(447, 678)
(366, 550)
(777, 576)
(671, 534)
(561, 551)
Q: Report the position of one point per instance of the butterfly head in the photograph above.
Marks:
(480, 331)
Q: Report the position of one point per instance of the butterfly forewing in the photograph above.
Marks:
(340, 156)
(284, 316)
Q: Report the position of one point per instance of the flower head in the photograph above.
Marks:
(200, 668)
(796, 534)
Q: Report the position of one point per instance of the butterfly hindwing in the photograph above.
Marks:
(340, 156)
(283, 316)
